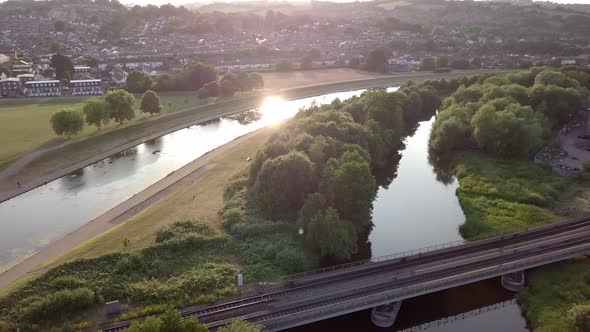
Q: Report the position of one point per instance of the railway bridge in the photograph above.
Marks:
(320, 294)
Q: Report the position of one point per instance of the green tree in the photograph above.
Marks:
(349, 186)
(377, 61)
(122, 105)
(227, 88)
(171, 321)
(306, 62)
(293, 171)
(314, 203)
(284, 65)
(4, 70)
(194, 76)
(138, 82)
(165, 82)
(240, 326)
(63, 66)
(428, 64)
(332, 236)
(442, 61)
(67, 123)
(256, 81)
(150, 103)
(126, 244)
(210, 90)
(96, 112)
(89, 61)
(512, 131)
(460, 63)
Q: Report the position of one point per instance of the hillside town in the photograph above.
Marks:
(106, 41)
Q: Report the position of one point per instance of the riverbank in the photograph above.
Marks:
(500, 196)
(492, 137)
(39, 168)
(195, 191)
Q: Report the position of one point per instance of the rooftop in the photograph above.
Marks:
(36, 82)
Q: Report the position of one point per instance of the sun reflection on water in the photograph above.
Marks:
(274, 110)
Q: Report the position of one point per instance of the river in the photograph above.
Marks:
(36, 218)
(414, 210)
(418, 210)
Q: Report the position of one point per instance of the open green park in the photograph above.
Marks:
(25, 126)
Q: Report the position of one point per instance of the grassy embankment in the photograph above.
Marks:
(24, 124)
(499, 196)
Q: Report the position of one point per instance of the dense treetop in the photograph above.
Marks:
(513, 114)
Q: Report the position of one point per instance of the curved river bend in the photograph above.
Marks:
(415, 210)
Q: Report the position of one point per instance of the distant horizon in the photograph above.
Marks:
(184, 2)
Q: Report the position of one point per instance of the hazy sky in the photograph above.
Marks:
(179, 2)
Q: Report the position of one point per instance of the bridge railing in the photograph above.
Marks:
(371, 300)
(427, 249)
(379, 259)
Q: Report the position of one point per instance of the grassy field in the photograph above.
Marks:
(552, 291)
(24, 124)
(500, 196)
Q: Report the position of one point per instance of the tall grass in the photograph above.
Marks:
(500, 196)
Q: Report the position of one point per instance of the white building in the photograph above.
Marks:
(43, 88)
(86, 87)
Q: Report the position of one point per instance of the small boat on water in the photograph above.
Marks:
(385, 315)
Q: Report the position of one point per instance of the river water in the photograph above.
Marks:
(414, 210)
(417, 210)
(34, 219)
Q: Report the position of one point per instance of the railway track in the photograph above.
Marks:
(255, 307)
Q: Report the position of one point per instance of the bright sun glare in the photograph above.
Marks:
(273, 109)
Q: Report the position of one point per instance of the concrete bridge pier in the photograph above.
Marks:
(513, 281)
(385, 315)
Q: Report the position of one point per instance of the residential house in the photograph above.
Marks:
(10, 87)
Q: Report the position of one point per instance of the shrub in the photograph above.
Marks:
(181, 229)
(130, 265)
(240, 326)
(67, 282)
(56, 305)
(291, 260)
(232, 217)
(234, 187)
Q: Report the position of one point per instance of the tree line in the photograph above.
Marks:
(117, 105)
(511, 115)
(195, 77)
(318, 172)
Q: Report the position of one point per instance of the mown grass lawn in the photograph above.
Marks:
(25, 126)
